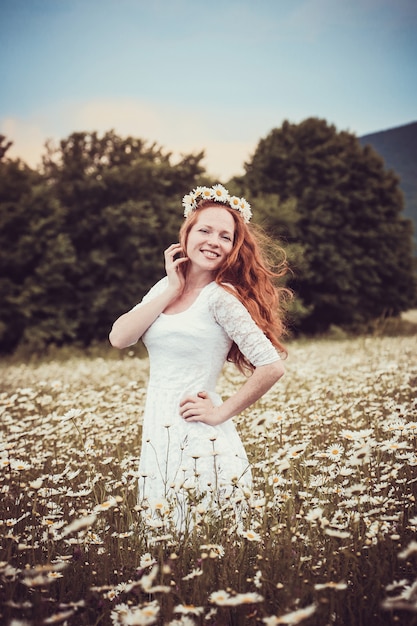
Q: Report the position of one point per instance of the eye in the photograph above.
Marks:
(227, 237)
(203, 230)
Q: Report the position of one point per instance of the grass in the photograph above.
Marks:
(329, 533)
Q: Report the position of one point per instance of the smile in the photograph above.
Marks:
(210, 254)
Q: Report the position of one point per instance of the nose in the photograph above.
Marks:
(212, 240)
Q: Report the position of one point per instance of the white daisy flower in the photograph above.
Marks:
(245, 210)
(189, 203)
(207, 193)
(146, 560)
(295, 617)
(331, 585)
(221, 597)
(79, 524)
(220, 193)
(195, 572)
(250, 535)
(409, 550)
(251, 597)
(234, 202)
(334, 452)
(189, 609)
(198, 191)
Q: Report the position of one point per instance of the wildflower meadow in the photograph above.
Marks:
(328, 533)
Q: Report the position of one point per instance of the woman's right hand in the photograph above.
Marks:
(173, 261)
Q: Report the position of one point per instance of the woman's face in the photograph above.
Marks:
(210, 239)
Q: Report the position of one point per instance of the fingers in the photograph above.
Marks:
(193, 399)
(192, 408)
(174, 256)
(173, 250)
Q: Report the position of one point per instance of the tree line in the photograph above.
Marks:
(82, 236)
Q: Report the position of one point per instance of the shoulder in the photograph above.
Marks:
(224, 298)
(155, 290)
(159, 286)
(224, 291)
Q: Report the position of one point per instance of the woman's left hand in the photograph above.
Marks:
(200, 409)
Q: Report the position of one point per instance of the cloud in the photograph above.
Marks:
(176, 130)
(27, 137)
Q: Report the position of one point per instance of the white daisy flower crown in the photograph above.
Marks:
(218, 193)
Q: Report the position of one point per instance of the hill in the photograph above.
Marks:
(398, 148)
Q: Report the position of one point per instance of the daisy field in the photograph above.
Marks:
(328, 533)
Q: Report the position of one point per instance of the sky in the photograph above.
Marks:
(195, 75)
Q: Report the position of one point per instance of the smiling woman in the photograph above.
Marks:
(217, 302)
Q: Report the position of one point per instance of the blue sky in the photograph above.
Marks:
(198, 75)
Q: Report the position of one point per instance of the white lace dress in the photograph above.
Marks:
(187, 352)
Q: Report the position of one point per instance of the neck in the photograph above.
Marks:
(196, 282)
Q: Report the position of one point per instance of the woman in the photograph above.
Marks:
(217, 302)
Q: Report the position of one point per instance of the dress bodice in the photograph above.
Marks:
(190, 348)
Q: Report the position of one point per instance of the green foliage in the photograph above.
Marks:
(83, 240)
(357, 255)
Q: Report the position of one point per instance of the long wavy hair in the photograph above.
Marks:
(250, 272)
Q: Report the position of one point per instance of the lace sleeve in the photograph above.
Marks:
(235, 319)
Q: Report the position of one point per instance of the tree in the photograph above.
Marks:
(357, 244)
(35, 256)
(82, 240)
(121, 202)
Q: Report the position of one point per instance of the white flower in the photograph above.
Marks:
(250, 597)
(189, 204)
(220, 193)
(250, 535)
(331, 585)
(36, 484)
(314, 514)
(159, 504)
(234, 202)
(409, 550)
(393, 445)
(245, 210)
(79, 524)
(107, 504)
(189, 609)
(217, 193)
(215, 549)
(334, 452)
(292, 618)
(58, 618)
(146, 560)
(334, 532)
(135, 616)
(70, 415)
(354, 435)
(207, 193)
(18, 465)
(195, 572)
(220, 598)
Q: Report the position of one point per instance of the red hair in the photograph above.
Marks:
(249, 274)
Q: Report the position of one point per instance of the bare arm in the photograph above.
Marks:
(201, 409)
(130, 326)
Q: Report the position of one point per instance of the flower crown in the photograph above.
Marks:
(218, 193)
